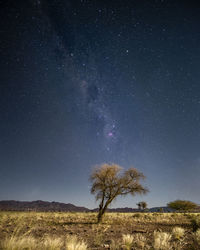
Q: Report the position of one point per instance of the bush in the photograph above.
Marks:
(182, 205)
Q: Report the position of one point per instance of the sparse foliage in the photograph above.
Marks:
(182, 205)
(108, 183)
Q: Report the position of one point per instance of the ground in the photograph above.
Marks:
(107, 235)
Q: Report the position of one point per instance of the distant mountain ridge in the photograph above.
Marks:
(41, 206)
(46, 206)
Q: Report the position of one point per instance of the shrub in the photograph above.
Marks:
(182, 205)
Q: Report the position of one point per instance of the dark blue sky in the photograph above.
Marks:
(87, 82)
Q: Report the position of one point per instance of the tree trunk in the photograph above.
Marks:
(102, 210)
(100, 216)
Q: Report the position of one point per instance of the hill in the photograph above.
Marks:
(41, 206)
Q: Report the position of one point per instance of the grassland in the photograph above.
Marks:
(35, 230)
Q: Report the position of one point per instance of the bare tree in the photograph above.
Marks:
(108, 182)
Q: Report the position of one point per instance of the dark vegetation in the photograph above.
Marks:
(182, 205)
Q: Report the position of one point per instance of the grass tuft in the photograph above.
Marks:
(19, 243)
(161, 240)
(127, 240)
(72, 243)
(52, 243)
(178, 233)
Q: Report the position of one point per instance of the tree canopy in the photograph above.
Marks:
(182, 205)
(142, 205)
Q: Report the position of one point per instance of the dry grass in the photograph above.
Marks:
(48, 243)
(161, 240)
(196, 239)
(127, 240)
(74, 244)
(178, 233)
(79, 231)
(19, 243)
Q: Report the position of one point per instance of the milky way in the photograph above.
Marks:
(93, 97)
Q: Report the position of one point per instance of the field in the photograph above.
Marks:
(37, 230)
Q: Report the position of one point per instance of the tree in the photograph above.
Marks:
(182, 205)
(142, 205)
(108, 182)
(139, 205)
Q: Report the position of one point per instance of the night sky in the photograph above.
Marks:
(93, 81)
